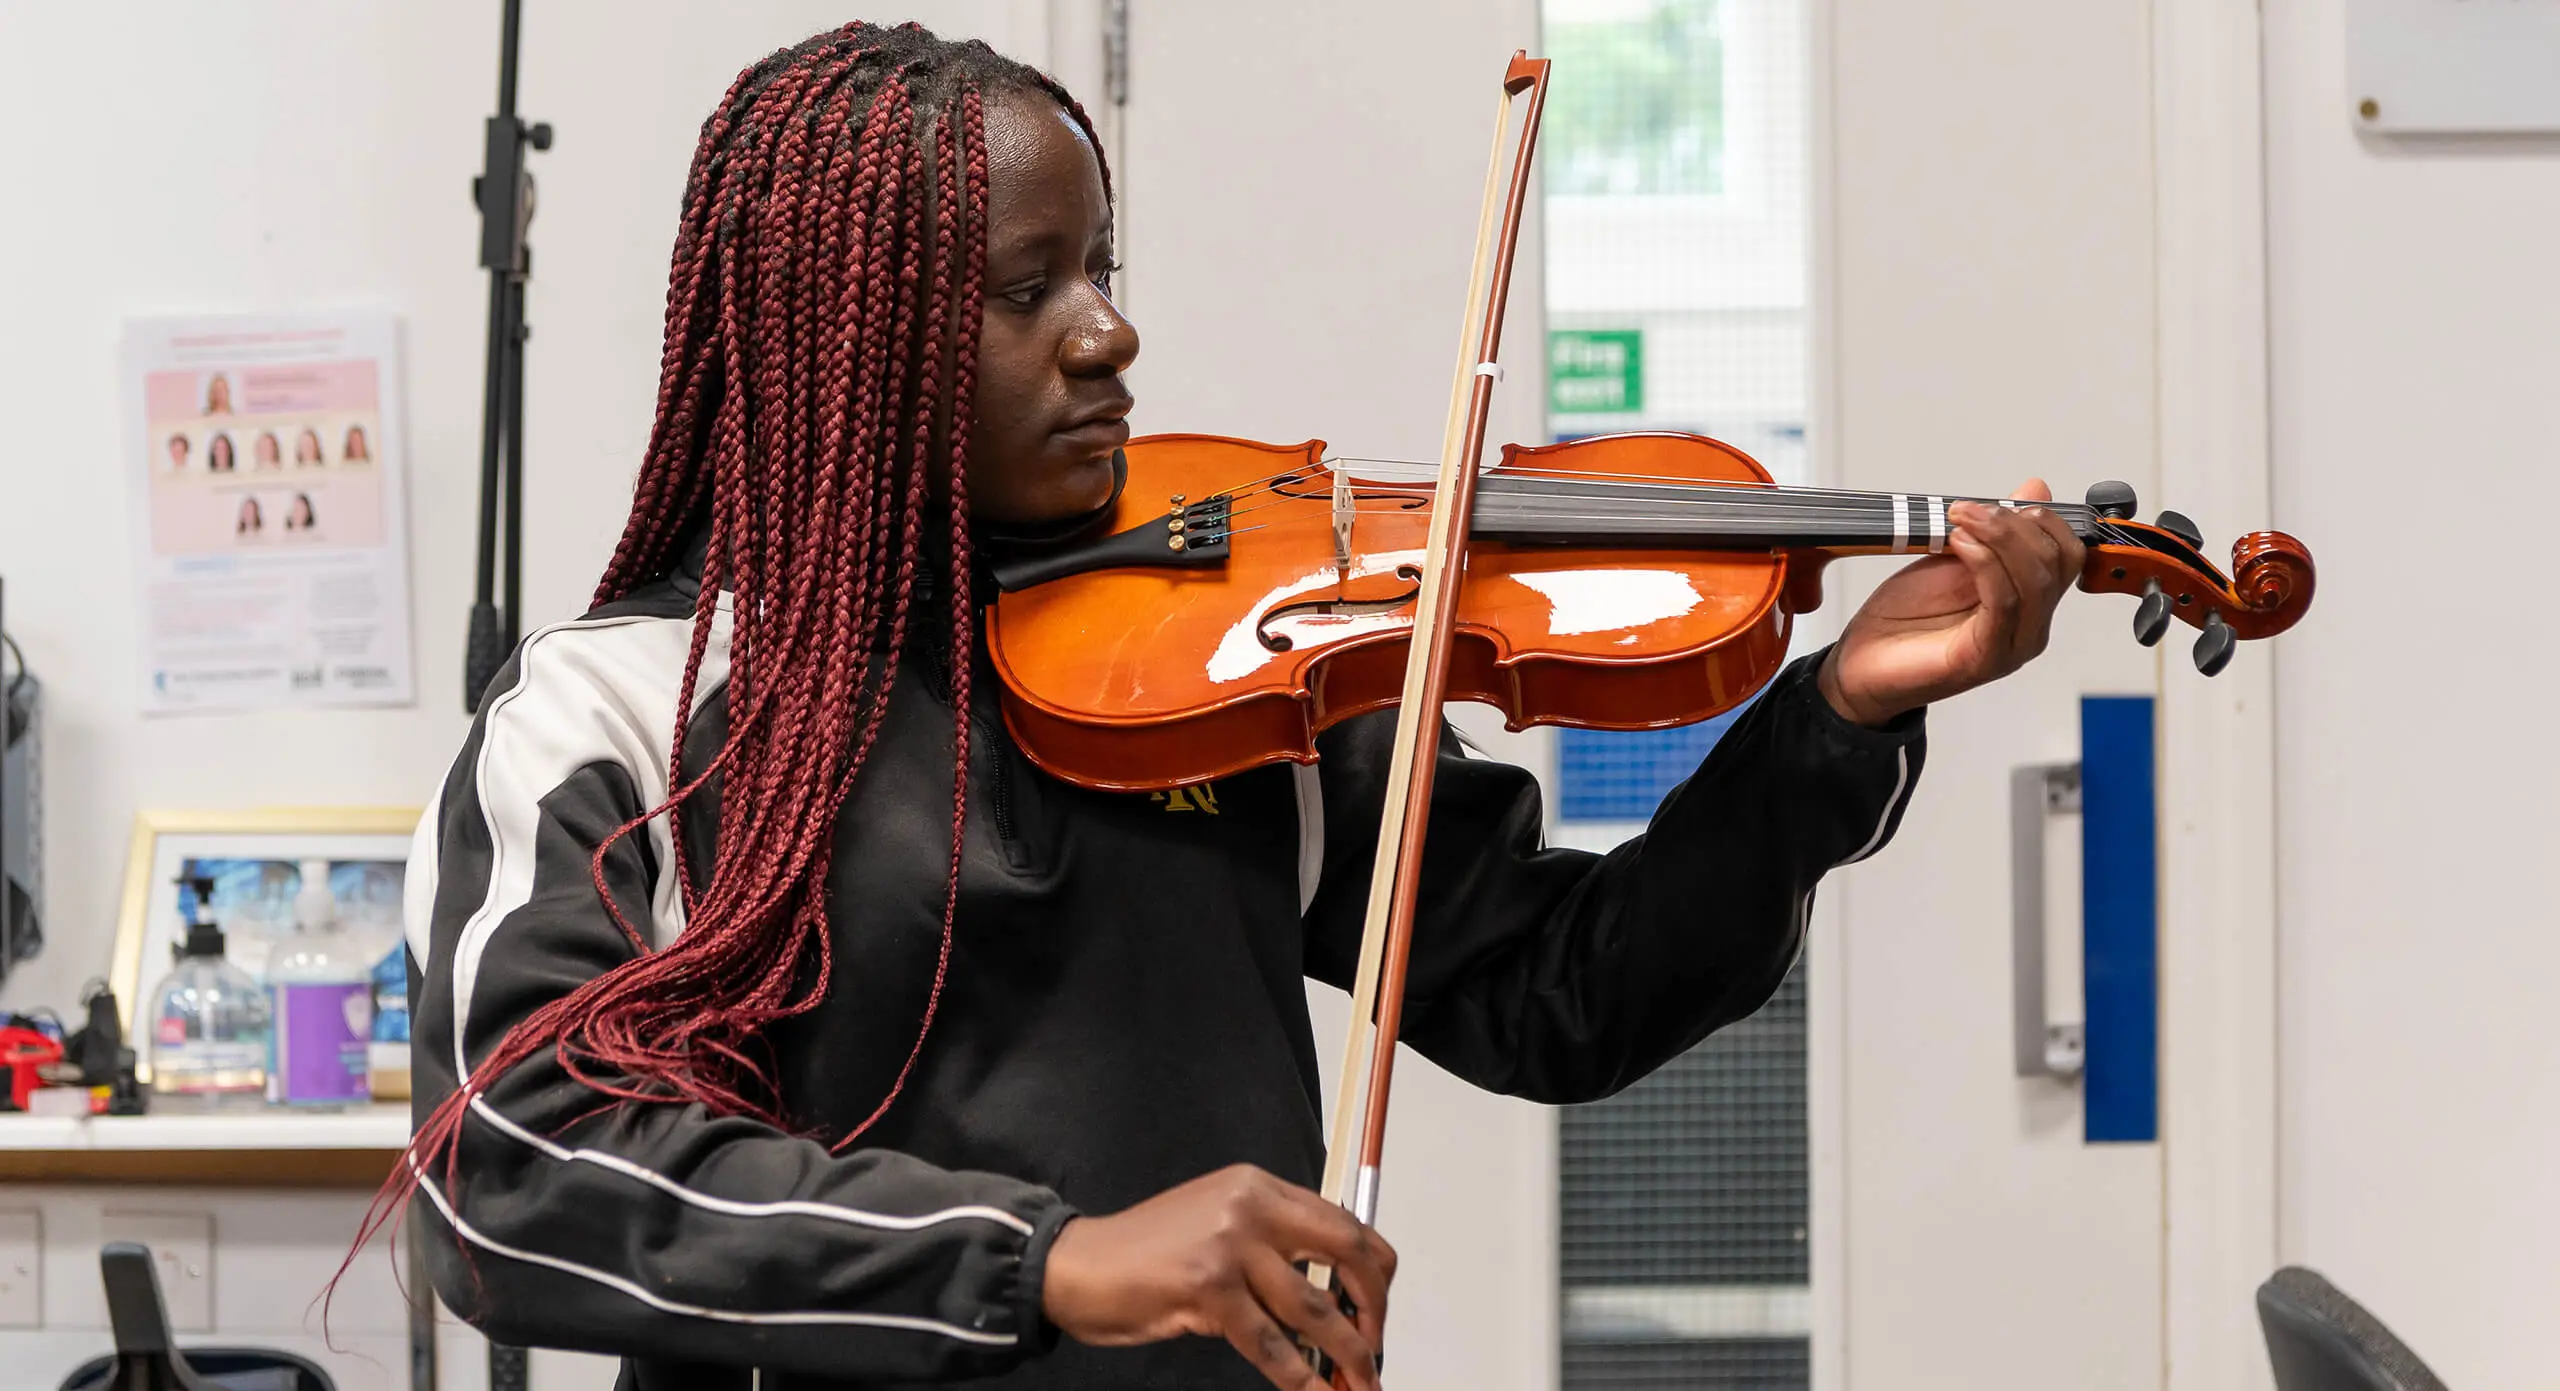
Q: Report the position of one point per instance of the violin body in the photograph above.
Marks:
(1134, 678)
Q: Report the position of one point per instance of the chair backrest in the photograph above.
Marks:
(2320, 1340)
(147, 1358)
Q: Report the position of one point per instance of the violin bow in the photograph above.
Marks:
(1386, 939)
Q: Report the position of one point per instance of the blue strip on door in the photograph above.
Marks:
(2120, 918)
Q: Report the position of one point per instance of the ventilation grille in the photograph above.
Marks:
(1684, 1206)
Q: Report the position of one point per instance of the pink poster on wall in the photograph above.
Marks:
(269, 521)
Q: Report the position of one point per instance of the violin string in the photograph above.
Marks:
(1757, 502)
(1523, 483)
(1607, 479)
(1266, 483)
(1497, 476)
(1700, 510)
(1747, 494)
(1874, 510)
(1211, 538)
(1696, 508)
(1370, 502)
(1753, 524)
(1768, 524)
(1764, 504)
(1761, 520)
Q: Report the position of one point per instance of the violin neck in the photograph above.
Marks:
(1585, 511)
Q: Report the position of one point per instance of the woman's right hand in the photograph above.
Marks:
(1217, 1256)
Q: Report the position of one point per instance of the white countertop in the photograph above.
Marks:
(383, 1126)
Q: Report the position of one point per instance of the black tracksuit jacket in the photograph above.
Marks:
(1125, 1007)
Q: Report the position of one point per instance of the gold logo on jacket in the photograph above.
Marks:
(1200, 798)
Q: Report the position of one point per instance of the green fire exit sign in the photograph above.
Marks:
(1593, 372)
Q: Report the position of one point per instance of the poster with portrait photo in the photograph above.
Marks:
(270, 531)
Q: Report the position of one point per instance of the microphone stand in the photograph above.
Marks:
(504, 192)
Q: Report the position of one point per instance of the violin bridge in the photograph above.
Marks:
(1343, 515)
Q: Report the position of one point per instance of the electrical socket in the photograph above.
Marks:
(182, 1247)
(21, 1269)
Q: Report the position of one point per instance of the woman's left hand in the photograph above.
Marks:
(1951, 622)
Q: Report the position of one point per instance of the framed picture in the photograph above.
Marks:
(255, 862)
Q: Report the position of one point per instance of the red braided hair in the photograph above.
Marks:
(823, 276)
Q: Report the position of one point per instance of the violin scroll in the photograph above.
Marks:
(2267, 590)
(2274, 574)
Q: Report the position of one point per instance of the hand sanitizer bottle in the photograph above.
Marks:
(323, 1000)
(209, 1032)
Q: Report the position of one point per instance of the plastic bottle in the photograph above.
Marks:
(322, 993)
(209, 1034)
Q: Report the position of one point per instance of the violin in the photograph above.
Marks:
(1245, 597)
(1240, 597)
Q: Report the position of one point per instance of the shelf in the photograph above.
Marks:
(260, 1148)
(377, 1127)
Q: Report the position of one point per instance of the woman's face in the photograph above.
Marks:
(177, 451)
(270, 454)
(1051, 407)
(355, 442)
(217, 456)
(306, 450)
(217, 396)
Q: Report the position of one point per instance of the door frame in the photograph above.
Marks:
(2218, 1003)
(2217, 943)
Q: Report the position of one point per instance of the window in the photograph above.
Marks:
(1677, 247)
(1656, 125)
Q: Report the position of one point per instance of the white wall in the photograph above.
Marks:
(290, 154)
(294, 153)
(2414, 297)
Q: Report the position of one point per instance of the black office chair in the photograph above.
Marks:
(2320, 1340)
(147, 1358)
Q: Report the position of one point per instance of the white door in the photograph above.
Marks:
(1990, 310)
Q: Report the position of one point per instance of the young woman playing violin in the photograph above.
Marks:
(779, 1020)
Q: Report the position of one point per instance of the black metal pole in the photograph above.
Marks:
(422, 1315)
(504, 192)
(511, 576)
(507, 58)
(487, 647)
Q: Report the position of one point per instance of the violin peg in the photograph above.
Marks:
(2177, 524)
(2151, 616)
(2215, 645)
(2111, 499)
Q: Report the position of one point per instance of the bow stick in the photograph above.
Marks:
(1386, 939)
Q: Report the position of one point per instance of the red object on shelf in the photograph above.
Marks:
(23, 1052)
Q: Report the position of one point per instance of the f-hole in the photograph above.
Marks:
(1338, 608)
